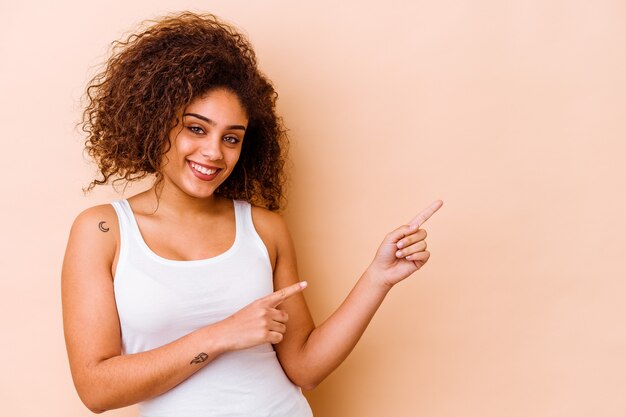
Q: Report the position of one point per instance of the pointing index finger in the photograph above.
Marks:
(425, 214)
(281, 295)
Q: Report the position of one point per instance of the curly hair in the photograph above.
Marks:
(133, 103)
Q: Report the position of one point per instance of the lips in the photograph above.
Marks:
(204, 172)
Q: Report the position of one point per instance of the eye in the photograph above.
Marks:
(196, 129)
(233, 140)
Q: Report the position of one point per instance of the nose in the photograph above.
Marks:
(212, 149)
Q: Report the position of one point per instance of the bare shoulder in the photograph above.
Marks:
(272, 229)
(102, 212)
(95, 232)
(264, 218)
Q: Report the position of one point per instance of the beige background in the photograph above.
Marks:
(511, 112)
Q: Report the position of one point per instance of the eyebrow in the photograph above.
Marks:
(212, 123)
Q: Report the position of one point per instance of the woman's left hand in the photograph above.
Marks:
(403, 251)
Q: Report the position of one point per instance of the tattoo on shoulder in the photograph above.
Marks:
(103, 227)
(200, 358)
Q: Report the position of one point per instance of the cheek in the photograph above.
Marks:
(180, 152)
(184, 147)
(179, 149)
(234, 158)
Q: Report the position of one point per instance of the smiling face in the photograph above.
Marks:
(206, 147)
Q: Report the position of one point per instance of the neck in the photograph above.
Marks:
(166, 199)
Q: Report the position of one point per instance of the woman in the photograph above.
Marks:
(168, 296)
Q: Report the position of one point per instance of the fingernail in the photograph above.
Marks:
(303, 284)
(400, 244)
(399, 254)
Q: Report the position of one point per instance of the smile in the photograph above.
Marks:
(201, 169)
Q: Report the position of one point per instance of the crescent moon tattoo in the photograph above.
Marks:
(102, 227)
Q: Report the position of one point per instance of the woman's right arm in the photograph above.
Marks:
(104, 378)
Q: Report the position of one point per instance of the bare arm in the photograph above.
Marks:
(310, 354)
(103, 377)
(106, 379)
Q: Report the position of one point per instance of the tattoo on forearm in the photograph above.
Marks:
(103, 227)
(200, 358)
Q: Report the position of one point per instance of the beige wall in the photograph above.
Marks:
(511, 112)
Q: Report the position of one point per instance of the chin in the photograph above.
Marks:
(200, 193)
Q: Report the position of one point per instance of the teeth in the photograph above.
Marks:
(203, 170)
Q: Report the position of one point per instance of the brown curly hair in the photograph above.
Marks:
(134, 102)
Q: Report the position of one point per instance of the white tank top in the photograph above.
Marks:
(160, 300)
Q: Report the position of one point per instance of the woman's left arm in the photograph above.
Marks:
(309, 354)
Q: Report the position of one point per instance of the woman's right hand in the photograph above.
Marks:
(259, 322)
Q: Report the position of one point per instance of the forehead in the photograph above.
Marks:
(220, 105)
